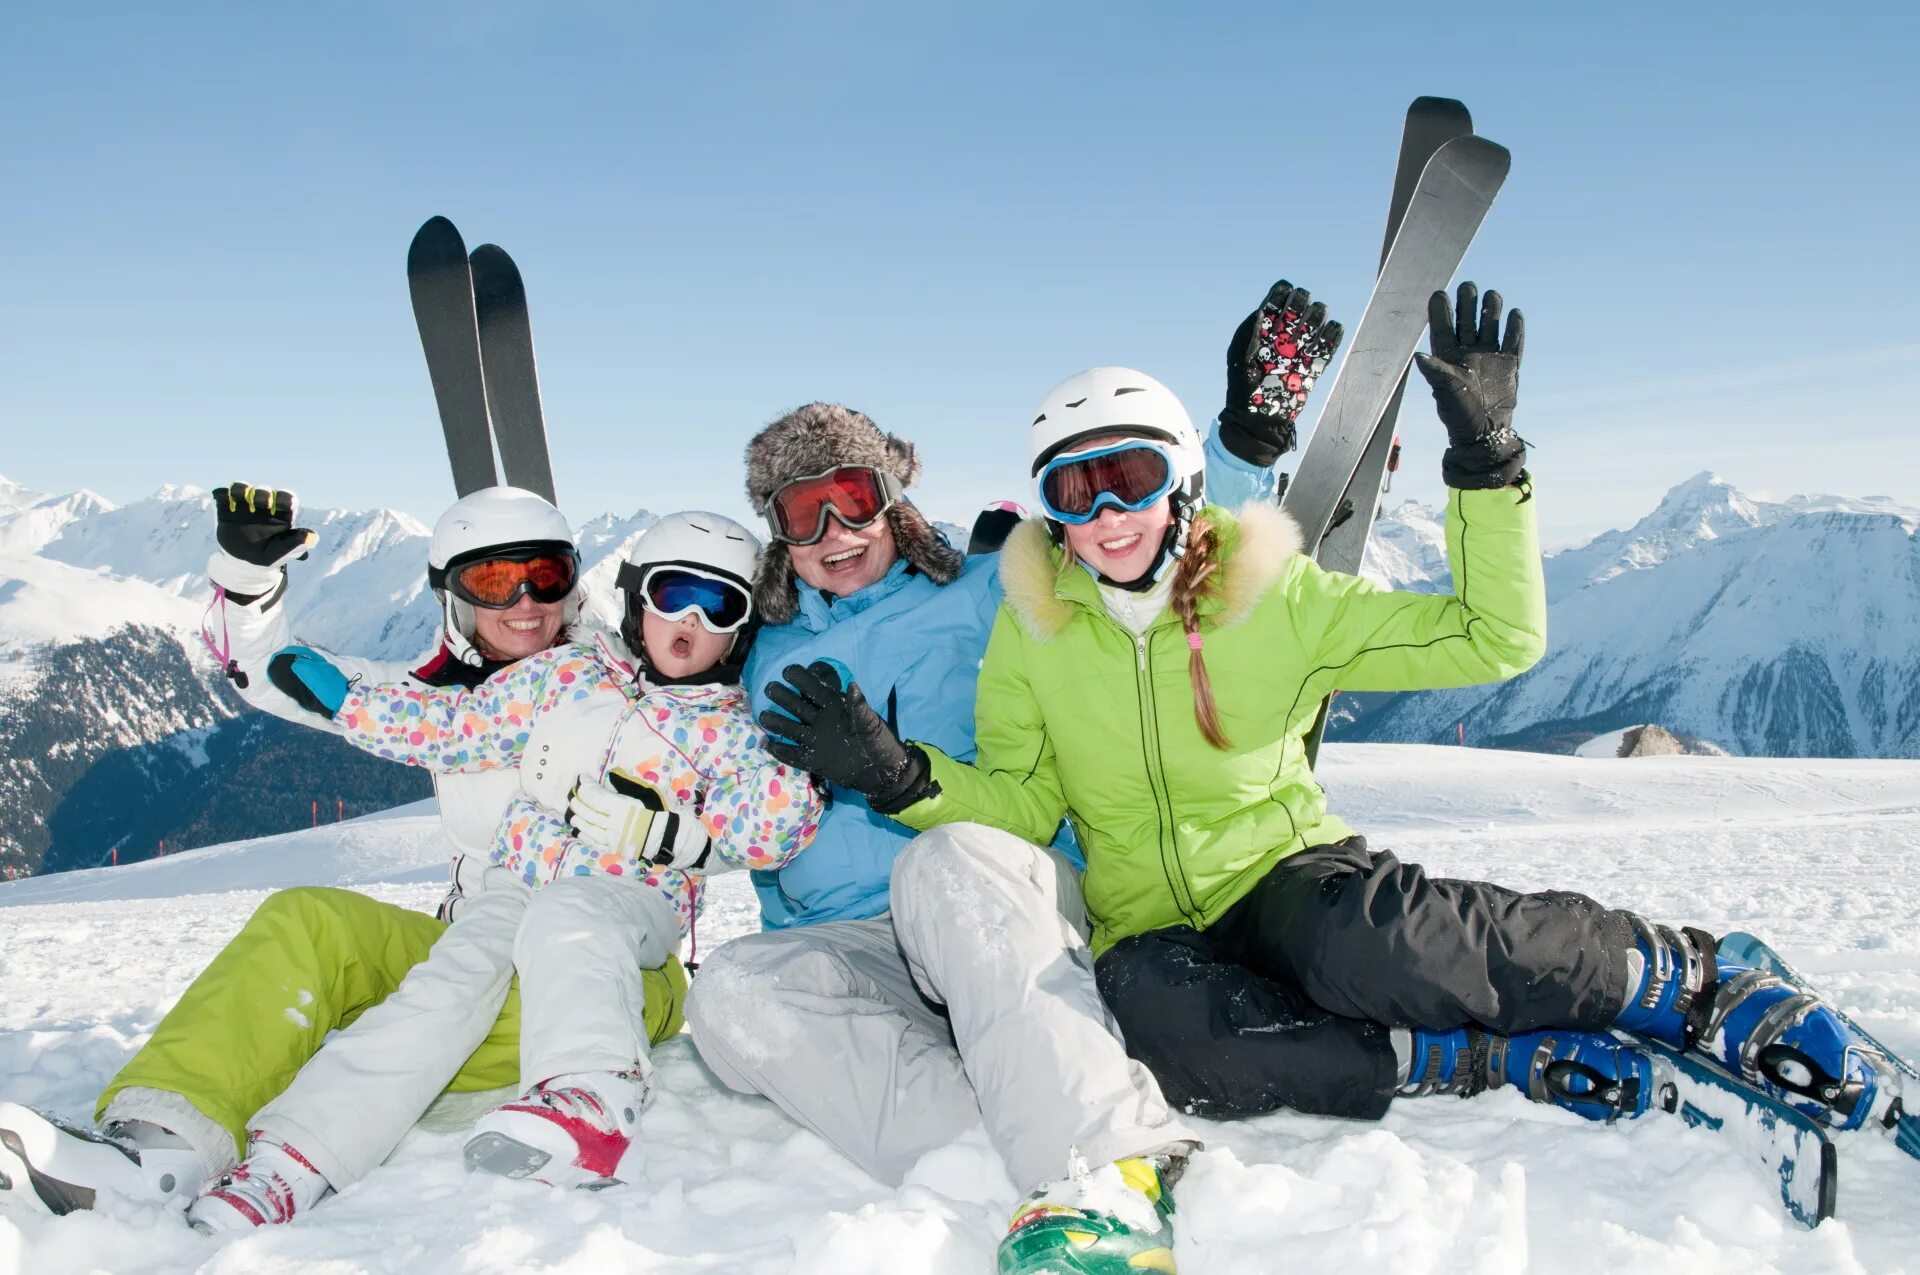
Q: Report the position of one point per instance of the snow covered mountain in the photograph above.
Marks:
(1798, 851)
(1771, 628)
(118, 736)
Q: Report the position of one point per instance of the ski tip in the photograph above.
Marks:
(1441, 107)
(492, 257)
(436, 243)
(1473, 156)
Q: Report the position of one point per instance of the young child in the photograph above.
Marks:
(641, 770)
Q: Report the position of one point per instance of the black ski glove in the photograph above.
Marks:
(255, 525)
(1276, 355)
(1475, 378)
(831, 731)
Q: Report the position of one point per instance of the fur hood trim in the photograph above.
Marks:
(1255, 543)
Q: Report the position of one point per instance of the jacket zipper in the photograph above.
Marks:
(1157, 782)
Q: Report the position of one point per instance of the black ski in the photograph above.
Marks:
(1449, 202)
(1432, 122)
(512, 380)
(442, 287)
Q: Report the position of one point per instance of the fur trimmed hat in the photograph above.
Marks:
(812, 440)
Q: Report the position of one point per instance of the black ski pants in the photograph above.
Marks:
(1285, 1001)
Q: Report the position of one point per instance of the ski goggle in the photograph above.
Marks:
(499, 580)
(672, 591)
(1131, 474)
(855, 494)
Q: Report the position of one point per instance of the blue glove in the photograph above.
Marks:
(309, 679)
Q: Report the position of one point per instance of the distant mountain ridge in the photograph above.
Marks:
(1766, 627)
(1770, 628)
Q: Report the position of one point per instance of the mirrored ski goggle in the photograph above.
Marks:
(854, 494)
(672, 591)
(498, 580)
(1131, 474)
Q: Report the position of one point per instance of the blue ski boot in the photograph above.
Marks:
(1592, 1074)
(1756, 1025)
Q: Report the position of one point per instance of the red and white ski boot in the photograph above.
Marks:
(273, 1185)
(569, 1131)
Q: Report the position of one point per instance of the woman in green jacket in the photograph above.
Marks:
(1153, 675)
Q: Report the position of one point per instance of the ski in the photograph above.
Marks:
(1451, 199)
(1903, 1126)
(1792, 1147)
(510, 375)
(441, 284)
(1432, 122)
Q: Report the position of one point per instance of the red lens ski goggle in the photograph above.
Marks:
(854, 494)
(1129, 475)
(498, 580)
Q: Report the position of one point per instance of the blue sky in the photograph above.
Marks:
(933, 213)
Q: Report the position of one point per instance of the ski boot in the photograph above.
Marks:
(1114, 1221)
(1756, 1025)
(51, 1166)
(569, 1131)
(273, 1185)
(1592, 1074)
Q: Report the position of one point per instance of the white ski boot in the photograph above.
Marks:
(273, 1185)
(569, 1131)
(51, 1166)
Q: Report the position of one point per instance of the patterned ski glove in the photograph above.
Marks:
(1475, 377)
(309, 679)
(627, 818)
(254, 528)
(1276, 355)
(830, 729)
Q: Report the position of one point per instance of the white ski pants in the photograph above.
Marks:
(580, 945)
(830, 1020)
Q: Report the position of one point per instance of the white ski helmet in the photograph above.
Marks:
(487, 522)
(710, 543)
(1118, 400)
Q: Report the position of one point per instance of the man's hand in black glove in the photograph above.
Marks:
(831, 731)
(255, 525)
(1475, 377)
(1276, 355)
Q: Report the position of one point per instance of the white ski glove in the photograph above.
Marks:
(628, 818)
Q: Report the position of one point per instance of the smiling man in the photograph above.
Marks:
(894, 1002)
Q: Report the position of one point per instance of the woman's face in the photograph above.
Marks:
(513, 633)
(1119, 545)
(683, 647)
(845, 561)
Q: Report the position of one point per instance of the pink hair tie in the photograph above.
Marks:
(1193, 642)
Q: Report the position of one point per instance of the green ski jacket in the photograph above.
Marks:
(1076, 715)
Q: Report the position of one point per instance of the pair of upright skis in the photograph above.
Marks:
(1445, 183)
(472, 314)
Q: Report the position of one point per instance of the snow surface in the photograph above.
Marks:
(1815, 855)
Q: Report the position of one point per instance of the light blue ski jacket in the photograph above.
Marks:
(915, 649)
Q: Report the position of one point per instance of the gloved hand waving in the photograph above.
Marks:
(1273, 360)
(1475, 376)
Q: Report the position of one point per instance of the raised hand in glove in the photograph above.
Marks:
(830, 730)
(1475, 376)
(626, 817)
(1276, 355)
(254, 527)
(309, 679)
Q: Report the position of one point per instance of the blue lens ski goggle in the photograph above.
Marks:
(671, 591)
(1130, 475)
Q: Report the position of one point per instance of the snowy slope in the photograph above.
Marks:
(1802, 852)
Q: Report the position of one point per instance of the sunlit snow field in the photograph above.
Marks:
(1818, 856)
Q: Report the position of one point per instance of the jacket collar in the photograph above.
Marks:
(819, 611)
(1255, 544)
